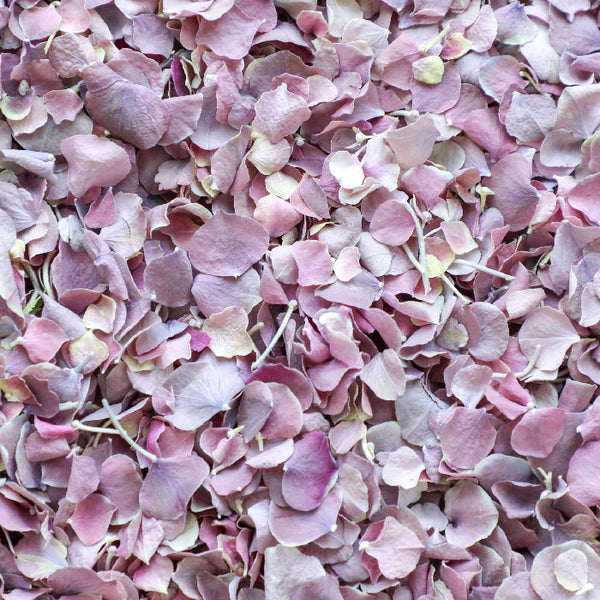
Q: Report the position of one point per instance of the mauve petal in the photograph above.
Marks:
(514, 196)
(538, 432)
(170, 484)
(384, 374)
(583, 475)
(62, 105)
(498, 74)
(439, 97)
(286, 569)
(120, 482)
(279, 113)
(83, 479)
(297, 528)
(39, 22)
(16, 518)
(93, 161)
(130, 111)
(584, 196)
(227, 159)
(315, 265)
(285, 420)
(309, 473)
(530, 116)
(231, 35)
(488, 331)
(561, 148)
(471, 513)
(395, 547)
(202, 389)
(71, 581)
(579, 109)
(151, 35)
(169, 278)
(413, 144)
(228, 244)
(91, 518)
(553, 331)
(467, 437)
(155, 576)
(403, 468)
(273, 454)
(392, 223)
(484, 128)
(184, 114)
(214, 294)
(514, 26)
(228, 332)
(43, 339)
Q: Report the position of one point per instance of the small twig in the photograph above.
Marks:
(426, 47)
(547, 477)
(531, 364)
(84, 363)
(413, 259)
(35, 282)
(256, 327)
(32, 304)
(111, 551)
(421, 244)
(368, 449)
(121, 431)
(46, 276)
(286, 318)
(451, 285)
(8, 540)
(483, 268)
(92, 429)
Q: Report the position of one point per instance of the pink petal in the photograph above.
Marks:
(228, 245)
(117, 104)
(202, 389)
(120, 482)
(315, 265)
(297, 528)
(169, 278)
(392, 223)
(583, 475)
(384, 374)
(83, 479)
(286, 569)
(467, 437)
(553, 331)
(514, 196)
(309, 473)
(471, 513)
(413, 144)
(403, 468)
(91, 518)
(214, 294)
(538, 432)
(155, 576)
(396, 548)
(170, 484)
(276, 215)
(43, 339)
(530, 116)
(279, 113)
(93, 161)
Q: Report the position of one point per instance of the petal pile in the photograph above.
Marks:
(299, 299)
